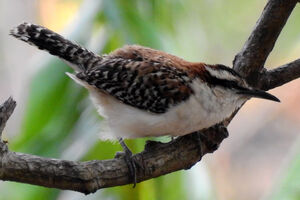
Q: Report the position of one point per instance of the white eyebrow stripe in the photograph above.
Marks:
(221, 74)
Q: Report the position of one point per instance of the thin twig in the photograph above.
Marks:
(280, 75)
(6, 109)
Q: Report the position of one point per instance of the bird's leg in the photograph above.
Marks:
(131, 163)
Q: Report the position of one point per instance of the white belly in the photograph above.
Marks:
(200, 111)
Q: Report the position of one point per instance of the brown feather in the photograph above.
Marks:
(140, 53)
(144, 78)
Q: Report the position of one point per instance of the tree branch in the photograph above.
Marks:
(260, 43)
(250, 60)
(280, 75)
(158, 158)
(5, 112)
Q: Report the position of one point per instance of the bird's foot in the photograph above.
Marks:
(130, 161)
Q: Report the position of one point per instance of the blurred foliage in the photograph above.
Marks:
(211, 31)
(289, 186)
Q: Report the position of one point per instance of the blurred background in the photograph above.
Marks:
(54, 117)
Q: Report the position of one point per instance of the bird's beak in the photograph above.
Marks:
(258, 94)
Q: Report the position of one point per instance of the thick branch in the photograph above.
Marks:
(280, 75)
(157, 159)
(260, 43)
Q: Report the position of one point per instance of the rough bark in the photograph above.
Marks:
(251, 59)
(280, 75)
(6, 110)
(158, 158)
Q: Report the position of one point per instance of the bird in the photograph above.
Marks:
(144, 92)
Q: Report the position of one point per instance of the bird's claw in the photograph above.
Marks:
(130, 161)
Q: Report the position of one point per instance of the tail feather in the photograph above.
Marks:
(78, 57)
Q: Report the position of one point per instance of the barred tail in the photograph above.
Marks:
(78, 57)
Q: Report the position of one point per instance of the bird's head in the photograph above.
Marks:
(226, 78)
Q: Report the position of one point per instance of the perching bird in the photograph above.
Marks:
(145, 92)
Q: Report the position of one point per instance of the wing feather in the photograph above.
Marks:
(145, 84)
